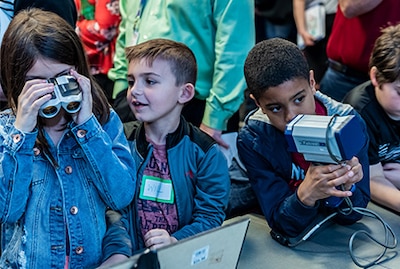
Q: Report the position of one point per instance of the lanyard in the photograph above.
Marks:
(138, 15)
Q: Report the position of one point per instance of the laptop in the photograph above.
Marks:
(218, 248)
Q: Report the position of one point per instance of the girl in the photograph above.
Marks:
(58, 175)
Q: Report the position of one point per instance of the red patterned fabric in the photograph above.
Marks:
(98, 32)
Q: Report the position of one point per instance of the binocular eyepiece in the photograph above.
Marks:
(66, 94)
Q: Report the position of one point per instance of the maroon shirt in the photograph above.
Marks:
(352, 40)
(298, 158)
(155, 214)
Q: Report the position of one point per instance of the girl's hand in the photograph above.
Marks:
(35, 93)
(87, 102)
(157, 238)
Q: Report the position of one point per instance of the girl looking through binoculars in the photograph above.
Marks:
(58, 173)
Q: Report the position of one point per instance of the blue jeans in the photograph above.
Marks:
(286, 31)
(337, 85)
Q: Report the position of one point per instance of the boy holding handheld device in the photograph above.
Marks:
(290, 189)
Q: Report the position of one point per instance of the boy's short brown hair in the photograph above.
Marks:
(385, 55)
(180, 57)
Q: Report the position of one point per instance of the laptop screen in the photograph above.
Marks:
(216, 248)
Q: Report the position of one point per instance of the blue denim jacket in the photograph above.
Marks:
(41, 203)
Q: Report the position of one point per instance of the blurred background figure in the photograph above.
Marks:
(315, 50)
(97, 27)
(274, 18)
(356, 26)
(64, 8)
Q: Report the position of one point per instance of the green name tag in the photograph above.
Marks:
(157, 189)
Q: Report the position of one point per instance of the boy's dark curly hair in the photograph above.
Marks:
(272, 62)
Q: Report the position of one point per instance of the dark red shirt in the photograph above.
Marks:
(298, 158)
(352, 40)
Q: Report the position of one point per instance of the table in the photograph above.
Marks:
(326, 248)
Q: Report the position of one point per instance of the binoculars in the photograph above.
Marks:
(66, 94)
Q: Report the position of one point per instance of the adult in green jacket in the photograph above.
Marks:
(219, 32)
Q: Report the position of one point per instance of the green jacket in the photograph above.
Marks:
(219, 32)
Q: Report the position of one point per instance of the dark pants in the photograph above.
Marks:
(242, 200)
(337, 85)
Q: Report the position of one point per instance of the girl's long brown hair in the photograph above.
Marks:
(34, 34)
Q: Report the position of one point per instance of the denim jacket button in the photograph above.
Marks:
(81, 133)
(79, 250)
(74, 210)
(36, 151)
(68, 170)
(16, 138)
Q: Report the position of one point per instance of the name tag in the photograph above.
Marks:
(157, 190)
